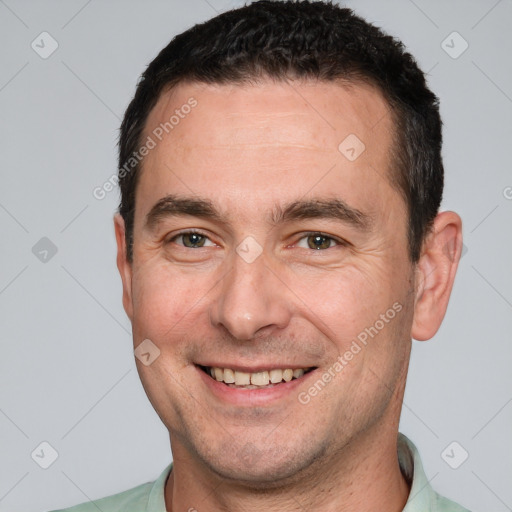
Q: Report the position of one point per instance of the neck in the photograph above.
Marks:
(364, 476)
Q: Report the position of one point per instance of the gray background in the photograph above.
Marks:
(67, 372)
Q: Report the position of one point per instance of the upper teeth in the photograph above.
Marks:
(257, 379)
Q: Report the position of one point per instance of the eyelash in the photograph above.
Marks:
(304, 235)
(339, 241)
(188, 232)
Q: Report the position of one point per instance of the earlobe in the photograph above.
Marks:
(435, 274)
(123, 265)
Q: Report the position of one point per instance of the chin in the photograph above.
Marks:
(274, 468)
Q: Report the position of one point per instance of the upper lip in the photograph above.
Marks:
(256, 368)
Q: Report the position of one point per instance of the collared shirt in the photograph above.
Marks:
(149, 497)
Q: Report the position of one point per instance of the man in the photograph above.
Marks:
(279, 244)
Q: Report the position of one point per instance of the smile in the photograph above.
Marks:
(261, 379)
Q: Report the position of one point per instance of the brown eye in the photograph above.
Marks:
(319, 242)
(191, 240)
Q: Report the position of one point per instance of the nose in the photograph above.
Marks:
(252, 300)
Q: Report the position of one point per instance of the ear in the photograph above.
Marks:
(123, 265)
(435, 274)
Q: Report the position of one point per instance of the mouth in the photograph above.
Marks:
(261, 379)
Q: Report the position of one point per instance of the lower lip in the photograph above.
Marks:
(252, 397)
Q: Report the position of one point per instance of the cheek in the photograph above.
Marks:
(345, 301)
(163, 300)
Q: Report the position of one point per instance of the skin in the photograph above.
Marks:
(249, 149)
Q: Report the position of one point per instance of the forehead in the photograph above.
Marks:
(271, 140)
(329, 108)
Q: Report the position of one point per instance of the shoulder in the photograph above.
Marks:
(445, 505)
(145, 497)
(135, 499)
(422, 497)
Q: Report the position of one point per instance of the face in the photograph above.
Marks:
(284, 248)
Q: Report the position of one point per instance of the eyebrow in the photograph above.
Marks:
(335, 209)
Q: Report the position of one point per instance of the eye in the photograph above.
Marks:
(318, 241)
(191, 239)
